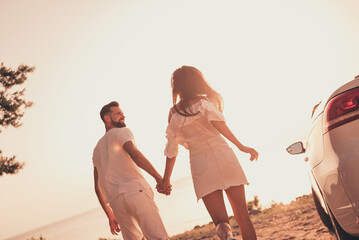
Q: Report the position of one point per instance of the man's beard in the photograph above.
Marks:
(118, 124)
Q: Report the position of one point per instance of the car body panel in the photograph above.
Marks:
(314, 145)
(350, 85)
(340, 185)
(333, 161)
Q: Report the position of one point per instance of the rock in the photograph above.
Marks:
(254, 212)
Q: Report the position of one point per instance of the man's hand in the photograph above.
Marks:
(111, 217)
(115, 228)
(164, 187)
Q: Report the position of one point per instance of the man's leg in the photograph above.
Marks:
(146, 213)
(130, 229)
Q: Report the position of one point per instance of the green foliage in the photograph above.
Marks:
(12, 105)
(41, 238)
(9, 165)
(254, 204)
(108, 239)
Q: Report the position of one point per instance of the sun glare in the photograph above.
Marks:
(117, 148)
(272, 61)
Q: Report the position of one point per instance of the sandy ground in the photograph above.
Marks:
(297, 220)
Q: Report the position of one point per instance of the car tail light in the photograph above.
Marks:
(342, 109)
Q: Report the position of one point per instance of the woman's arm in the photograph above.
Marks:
(170, 163)
(165, 186)
(222, 127)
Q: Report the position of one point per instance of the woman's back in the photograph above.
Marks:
(192, 130)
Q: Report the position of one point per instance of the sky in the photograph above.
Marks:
(272, 61)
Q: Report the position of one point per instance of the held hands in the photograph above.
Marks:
(164, 187)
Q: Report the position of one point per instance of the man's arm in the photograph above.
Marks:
(111, 217)
(140, 160)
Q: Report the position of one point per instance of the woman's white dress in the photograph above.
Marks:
(213, 163)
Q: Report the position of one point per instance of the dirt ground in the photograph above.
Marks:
(297, 220)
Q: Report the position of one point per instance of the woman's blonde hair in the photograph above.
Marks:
(188, 83)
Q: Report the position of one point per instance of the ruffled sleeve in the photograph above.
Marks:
(171, 149)
(210, 110)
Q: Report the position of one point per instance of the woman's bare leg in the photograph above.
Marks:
(217, 210)
(237, 199)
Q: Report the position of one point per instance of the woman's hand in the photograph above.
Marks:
(222, 127)
(254, 154)
(164, 186)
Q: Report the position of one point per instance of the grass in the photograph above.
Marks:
(40, 238)
(108, 239)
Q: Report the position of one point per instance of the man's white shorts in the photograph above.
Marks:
(138, 216)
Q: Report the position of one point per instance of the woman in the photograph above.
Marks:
(197, 123)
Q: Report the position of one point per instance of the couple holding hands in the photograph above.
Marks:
(196, 122)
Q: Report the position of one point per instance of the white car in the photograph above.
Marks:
(332, 152)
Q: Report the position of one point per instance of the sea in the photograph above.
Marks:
(180, 212)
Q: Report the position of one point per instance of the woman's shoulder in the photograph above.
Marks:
(170, 114)
(206, 103)
(199, 99)
(195, 104)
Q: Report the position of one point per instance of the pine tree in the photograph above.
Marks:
(12, 106)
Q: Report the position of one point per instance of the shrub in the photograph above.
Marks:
(41, 238)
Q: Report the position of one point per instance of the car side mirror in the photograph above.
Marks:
(296, 148)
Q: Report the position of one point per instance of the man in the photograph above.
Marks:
(124, 194)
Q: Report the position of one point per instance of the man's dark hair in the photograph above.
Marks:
(106, 109)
